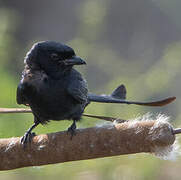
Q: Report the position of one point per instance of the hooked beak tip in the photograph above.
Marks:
(84, 62)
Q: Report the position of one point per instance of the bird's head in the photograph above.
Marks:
(52, 57)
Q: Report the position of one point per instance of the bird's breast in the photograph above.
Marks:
(52, 100)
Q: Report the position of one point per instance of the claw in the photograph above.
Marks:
(27, 138)
(29, 135)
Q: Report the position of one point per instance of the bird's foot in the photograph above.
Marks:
(72, 129)
(27, 138)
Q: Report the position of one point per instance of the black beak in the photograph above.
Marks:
(74, 61)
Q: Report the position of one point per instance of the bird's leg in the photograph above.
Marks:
(28, 135)
(72, 129)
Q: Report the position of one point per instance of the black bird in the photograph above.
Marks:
(54, 90)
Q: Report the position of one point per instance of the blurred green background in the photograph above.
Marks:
(137, 43)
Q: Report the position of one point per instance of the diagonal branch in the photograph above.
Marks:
(27, 110)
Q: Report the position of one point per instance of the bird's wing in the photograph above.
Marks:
(78, 89)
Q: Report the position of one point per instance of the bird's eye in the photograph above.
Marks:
(54, 56)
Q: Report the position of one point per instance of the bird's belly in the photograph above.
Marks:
(56, 108)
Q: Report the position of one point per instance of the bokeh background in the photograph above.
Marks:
(137, 43)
